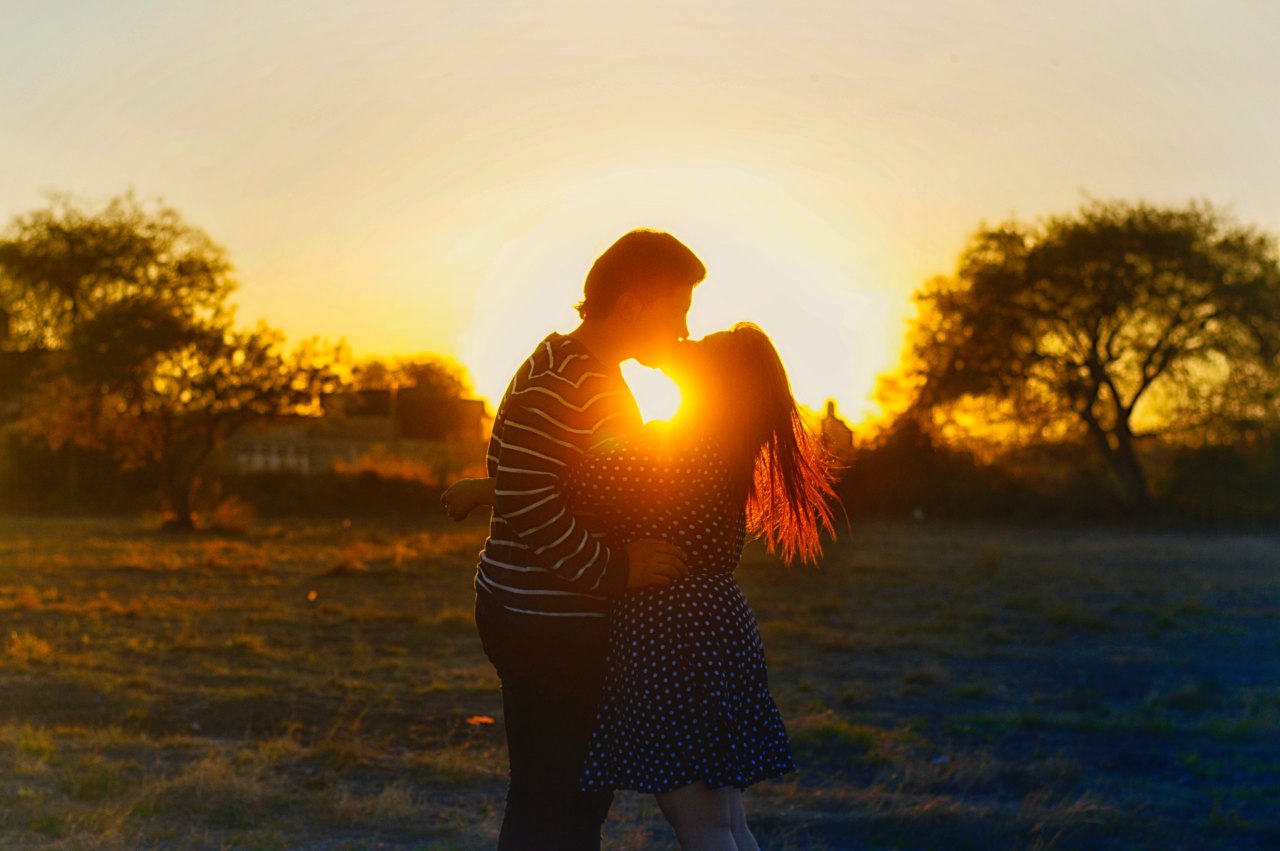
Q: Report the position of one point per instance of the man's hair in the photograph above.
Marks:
(649, 263)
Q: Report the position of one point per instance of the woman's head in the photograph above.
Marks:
(735, 388)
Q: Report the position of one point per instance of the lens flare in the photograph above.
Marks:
(656, 394)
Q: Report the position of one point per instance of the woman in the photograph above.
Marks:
(686, 713)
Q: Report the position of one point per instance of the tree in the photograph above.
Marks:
(1118, 318)
(62, 264)
(64, 268)
(437, 376)
(168, 412)
(427, 395)
(127, 307)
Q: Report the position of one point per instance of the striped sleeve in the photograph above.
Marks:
(551, 420)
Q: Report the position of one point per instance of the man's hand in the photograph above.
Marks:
(654, 563)
(465, 496)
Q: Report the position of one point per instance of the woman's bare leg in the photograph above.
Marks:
(738, 823)
(702, 817)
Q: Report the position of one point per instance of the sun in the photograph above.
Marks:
(656, 394)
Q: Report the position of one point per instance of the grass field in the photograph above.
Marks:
(319, 685)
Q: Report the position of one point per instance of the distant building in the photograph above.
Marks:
(406, 424)
(837, 437)
(411, 413)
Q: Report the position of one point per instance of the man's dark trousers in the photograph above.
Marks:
(551, 674)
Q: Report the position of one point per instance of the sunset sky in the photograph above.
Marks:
(438, 176)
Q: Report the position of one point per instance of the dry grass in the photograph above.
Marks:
(309, 685)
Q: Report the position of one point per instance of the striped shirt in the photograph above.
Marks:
(545, 557)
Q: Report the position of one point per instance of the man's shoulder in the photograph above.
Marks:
(563, 384)
(560, 361)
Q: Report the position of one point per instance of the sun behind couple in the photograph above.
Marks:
(737, 398)
(605, 595)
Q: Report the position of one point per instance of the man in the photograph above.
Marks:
(546, 578)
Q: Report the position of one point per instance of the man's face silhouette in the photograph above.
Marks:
(659, 324)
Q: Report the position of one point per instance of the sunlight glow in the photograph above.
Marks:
(772, 258)
(657, 395)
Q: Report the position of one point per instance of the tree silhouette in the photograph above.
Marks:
(127, 306)
(66, 267)
(182, 404)
(427, 395)
(437, 376)
(1092, 323)
(64, 263)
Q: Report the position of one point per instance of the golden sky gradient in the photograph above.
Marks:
(438, 176)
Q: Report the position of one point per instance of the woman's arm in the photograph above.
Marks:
(466, 495)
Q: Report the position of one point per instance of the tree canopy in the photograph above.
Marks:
(437, 376)
(1119, 317)
(64, 263)
(127, 308)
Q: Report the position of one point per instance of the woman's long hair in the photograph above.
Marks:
(782, 473)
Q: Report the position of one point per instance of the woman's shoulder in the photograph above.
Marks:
(687, 450)
(662, 444)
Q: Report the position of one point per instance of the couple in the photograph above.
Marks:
(605, 595)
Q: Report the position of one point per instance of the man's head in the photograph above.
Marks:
(641, 287)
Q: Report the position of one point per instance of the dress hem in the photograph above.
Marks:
(717, 783)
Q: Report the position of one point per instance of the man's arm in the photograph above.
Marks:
(534, 456)
(651, 561)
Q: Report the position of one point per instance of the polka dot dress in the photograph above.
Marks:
(686, 694)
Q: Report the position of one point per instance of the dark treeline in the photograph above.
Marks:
(905, 475)
(1117, 364)
(123, 374)
(1121, 363)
